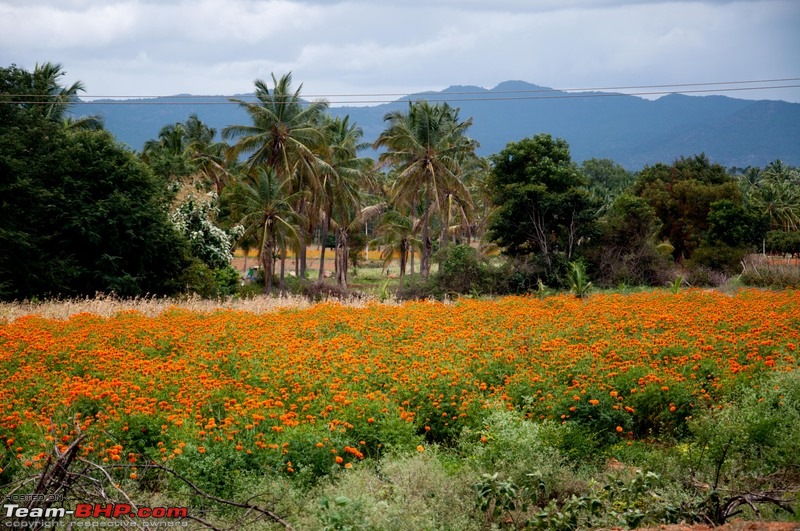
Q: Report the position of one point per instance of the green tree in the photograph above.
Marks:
(681, 195)
(626, 249)
(285, 136)
(428, 148)
(735, 225)
(85, 214)
(397, 234)
(606, 179)
(542, 205)
(260, 204)
(341, 181)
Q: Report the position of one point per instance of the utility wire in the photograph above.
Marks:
(486, 95)
(516, 91)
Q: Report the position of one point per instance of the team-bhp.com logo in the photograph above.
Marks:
(18, 516)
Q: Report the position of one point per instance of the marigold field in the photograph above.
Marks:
(299, 391)
(233, 378)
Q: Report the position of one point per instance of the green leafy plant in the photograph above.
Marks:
(675, 285)
(578, 280)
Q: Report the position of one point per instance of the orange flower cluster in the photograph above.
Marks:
(191, 381)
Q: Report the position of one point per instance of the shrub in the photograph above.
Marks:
(519, 450)
(462, 271)
(722, 258)
(415, 288)
(396, 493)
(701, 276)
(322, 291)
(228, 281)
(765, 274)
(578, 280)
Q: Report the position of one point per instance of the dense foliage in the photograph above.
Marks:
(81, 213)
(89, 216)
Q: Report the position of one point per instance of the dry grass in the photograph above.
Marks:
(108, 306)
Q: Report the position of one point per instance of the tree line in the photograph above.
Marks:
(83, 214)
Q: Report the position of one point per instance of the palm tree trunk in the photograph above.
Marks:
(266, 259)
(425, 259)
(325, 228)
(341, 276)
(283, 270)
(403, 257)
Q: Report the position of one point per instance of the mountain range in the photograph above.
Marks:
(630, 130)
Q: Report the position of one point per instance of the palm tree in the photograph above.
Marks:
(45, 84)
(260, 204)
(428, 148)
(285, 135)
(166, 155)
(397, 235)
(342, 175)
(775, 192)
(213, 161)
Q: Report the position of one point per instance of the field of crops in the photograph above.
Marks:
(299, 391)
(635, 363)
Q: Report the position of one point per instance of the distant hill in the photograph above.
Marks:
(629, 130)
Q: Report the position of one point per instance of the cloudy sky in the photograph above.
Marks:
(345, 47)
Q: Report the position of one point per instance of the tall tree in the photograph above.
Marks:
(260, 203)
(543, 206)
(285, 136)
(87, 215)
(681, 195)
(342, 177)
(428, 147)
(397, 235)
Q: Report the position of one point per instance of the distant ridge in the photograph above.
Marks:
(632, 131)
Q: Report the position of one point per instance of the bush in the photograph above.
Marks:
(322, 291)
(209, 283)
(228, 281)
(397, 493)
(722, 258)
(749, 445)
(199, 279)
(765, 274)
(518, 450)
(416, 289)
(701, 276)
(462, 271)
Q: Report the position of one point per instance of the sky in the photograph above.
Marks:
(357, 51)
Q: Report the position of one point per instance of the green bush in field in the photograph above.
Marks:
(398, 493)
(756, 432)
(519, 450)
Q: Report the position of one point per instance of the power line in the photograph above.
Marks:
(485, 95)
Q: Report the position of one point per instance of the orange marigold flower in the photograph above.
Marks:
(619, 429)
(339, 460)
